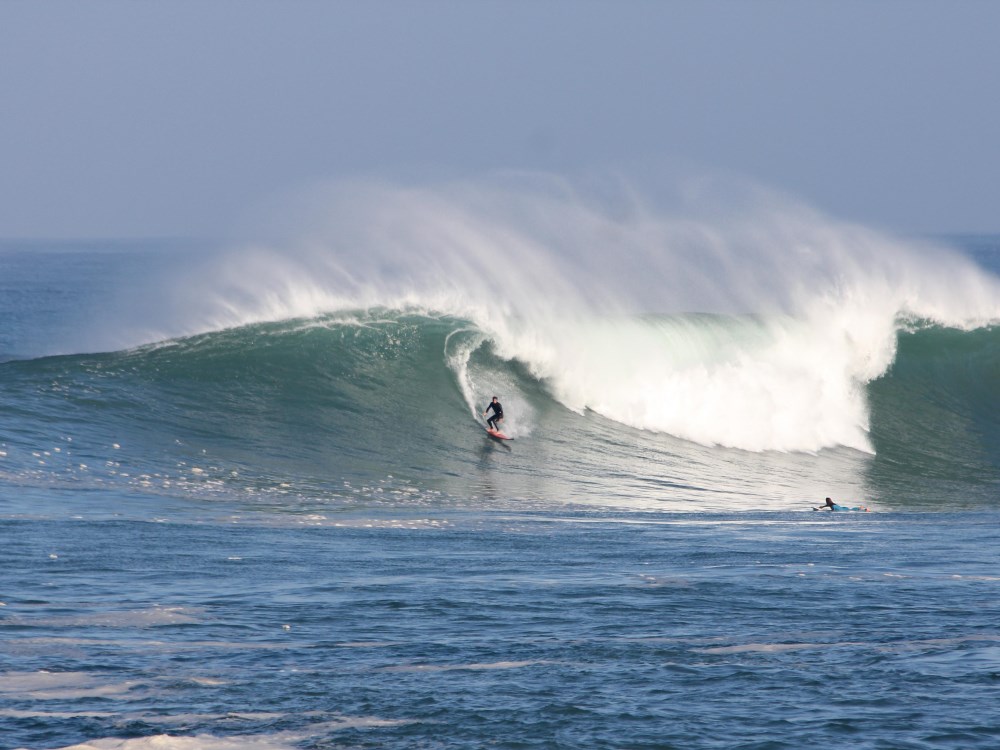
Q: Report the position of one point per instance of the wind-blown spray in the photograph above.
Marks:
(755, 327)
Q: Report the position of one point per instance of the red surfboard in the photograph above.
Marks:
(497, 434)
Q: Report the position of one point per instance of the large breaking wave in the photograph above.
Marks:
(759, 355)
(311, 406)
(756, 327)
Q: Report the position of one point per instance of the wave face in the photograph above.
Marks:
(727, 358)
(378, 406)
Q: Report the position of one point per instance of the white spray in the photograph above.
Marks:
(596, 301)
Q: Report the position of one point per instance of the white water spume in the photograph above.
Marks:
(198, 742)
(595, 299)
(281, 740)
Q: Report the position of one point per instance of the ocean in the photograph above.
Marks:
(247, 499)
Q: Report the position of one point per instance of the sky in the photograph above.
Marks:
(177, 119)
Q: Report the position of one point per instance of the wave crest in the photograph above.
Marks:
(809, 307)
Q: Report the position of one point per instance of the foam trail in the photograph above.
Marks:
(590, 297)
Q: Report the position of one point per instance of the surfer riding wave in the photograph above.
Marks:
(497, 418)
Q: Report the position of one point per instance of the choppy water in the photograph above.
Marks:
(461, 629)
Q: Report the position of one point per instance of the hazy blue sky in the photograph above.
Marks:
(176, 118)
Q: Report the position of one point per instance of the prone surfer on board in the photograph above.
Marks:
(497, 418)
(830, 505)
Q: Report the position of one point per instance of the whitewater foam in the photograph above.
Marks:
(279, 740)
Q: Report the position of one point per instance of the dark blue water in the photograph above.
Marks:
(536, 630)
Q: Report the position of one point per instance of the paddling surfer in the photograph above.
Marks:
(497, 418)
(830, 505)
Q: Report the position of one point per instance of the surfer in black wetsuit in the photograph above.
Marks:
(830, 505)
(497, 418)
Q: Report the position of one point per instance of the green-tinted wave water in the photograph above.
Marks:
(379, 406)
(936, 417)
